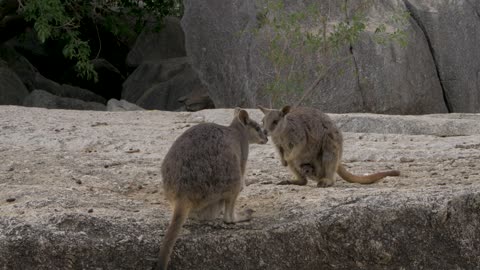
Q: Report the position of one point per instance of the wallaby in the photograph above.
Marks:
(310, 144)
(204, 171)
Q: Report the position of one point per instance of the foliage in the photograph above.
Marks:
(297, 35)
(398, 35)
(62, 20)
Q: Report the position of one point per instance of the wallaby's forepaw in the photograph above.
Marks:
(284, 162)
(325, 182)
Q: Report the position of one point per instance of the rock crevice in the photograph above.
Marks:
(432, 51)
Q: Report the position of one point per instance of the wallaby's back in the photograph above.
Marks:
(312, 121)
(202, 161)
(311, 129)
(203, 171)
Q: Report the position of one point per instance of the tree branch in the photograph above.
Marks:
(322, 76)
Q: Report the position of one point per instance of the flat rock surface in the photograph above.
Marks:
(82, 190)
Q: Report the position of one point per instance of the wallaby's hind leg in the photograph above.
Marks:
(209, 212)
(230, 216)
(300, 180)
(326, 176)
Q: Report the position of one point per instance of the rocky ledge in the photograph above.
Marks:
(82, 190)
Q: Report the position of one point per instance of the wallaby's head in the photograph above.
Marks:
(273, 118)
(254, 130)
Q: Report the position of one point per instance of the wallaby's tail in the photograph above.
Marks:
(364, 179)
(180, 214)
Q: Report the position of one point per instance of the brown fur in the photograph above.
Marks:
(203, 172)
(310, 144)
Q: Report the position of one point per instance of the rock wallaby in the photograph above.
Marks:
(204, 171)
(310, 144)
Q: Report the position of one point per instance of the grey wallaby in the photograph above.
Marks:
(311, 145)
(203, 172)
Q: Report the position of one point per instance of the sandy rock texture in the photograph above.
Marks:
(82, 190)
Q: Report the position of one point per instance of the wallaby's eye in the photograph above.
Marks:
(275, 122)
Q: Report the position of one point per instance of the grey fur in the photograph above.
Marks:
(203, 172)
(310, 144)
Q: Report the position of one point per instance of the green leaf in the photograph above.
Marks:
(61, 20)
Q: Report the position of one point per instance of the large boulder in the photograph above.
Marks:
(66, 91)
(47, 57)
(166, 84)
(32, 79)
(44, 99)
(197, 100)
(476, 5)
(228, 46)
(150, 73)
(110, 79)
(109, 62)
(394, 79)
(28, 44)
(20, 65)
(221, 51)
(166, 95)
(83, 190)
(453, 33)
(115, 105)
(12, 90)
(154, 44)
(109, 83)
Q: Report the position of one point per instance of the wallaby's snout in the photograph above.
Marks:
(264, 138)
(256, 134)
(259, 135)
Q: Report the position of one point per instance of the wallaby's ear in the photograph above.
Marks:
(243, 117)
(286, 110)
(264, 110)
(236, 111)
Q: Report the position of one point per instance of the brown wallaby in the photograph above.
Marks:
(203, 171)
(310, 144)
